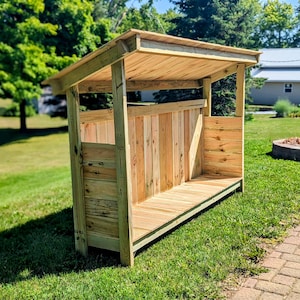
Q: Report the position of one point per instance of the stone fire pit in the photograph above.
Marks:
(287, 149)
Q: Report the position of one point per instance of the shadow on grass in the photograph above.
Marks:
(9, 135)
(46, 246)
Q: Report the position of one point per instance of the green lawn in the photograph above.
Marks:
(199, 260)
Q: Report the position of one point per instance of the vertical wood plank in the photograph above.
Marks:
(186, 145)
(181, 146)
(90, 133)
(76, 171)
(169, 150)
(133, 157)
(207, 95)
(155, 153)
(82, 132)
(122, 162)
(196, 125)
(165, 151)
(240, 107)
(110, 132)
(240, 90)
(139, 127)
(148, 157)
(176, 154)
(101, 132)
(162, 152)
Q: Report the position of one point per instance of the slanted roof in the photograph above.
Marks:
(279, 65)
(278, 75)
(280, 58)
(152, 61)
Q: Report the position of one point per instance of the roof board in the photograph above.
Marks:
(152, 58)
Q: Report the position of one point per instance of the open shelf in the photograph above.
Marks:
(161, 213)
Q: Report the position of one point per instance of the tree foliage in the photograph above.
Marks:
(40, 37)
(277, 25)
(144, 18)
(227, 22)
(24, 61)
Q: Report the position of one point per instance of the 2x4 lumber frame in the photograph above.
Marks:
(81, 244)
(240, 107)
(207, 95)
(134, 85)
(240, 90)
(157, 47)
(122, 163)
(134, 111)
(224, 73)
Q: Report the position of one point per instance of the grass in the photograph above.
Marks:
(199, 260)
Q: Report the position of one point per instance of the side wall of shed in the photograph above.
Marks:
(223, 146)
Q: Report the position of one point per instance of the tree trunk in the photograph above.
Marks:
(23, 127)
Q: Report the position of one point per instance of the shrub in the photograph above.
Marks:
(295, 112)
(283, 107)
(249, 117)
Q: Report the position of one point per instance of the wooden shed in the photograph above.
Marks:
(138, 172)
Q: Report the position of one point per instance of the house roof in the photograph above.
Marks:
(279, 65)
(280, 58)
(278, 75)
(152, 61)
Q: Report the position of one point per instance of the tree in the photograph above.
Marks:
(144, 18)
(78, 32)
(229, 22)
(113, 10)
(277, 25)
(24, 63)
(40, 37)
(296, 37)
(224, 22)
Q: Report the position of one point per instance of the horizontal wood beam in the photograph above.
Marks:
(106, 86)
(87, 67)
(155, 47)
(133, 111)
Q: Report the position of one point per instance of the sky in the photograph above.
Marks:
(163, 5)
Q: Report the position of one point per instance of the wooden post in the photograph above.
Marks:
(240, 107)
(207, 113)
(207, 95)
(122, 163)
(76, 171)
(240, 90)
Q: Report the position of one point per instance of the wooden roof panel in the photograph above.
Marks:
(151, 57)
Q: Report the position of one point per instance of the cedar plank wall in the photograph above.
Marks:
(223, 146)
(165, 151)
(100, 188)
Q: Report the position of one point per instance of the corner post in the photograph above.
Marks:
(240, 107)
(207, 96)
(240, 91)
(76, 171)
(122, 162)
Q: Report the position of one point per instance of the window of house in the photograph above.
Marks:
(288, 87)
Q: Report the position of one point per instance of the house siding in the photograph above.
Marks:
(272, 91)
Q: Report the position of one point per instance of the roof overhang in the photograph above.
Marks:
(152, 61)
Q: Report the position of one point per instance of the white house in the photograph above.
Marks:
(281, 68)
